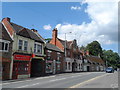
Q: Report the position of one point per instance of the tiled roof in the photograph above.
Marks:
(52, 47)
(95, 59)
(3, 33)
(26, 32)
(63, 43)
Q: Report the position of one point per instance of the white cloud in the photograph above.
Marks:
(103, 26)
(47, 27)
(75, 8)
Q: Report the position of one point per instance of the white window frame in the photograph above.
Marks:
(49, 52)
(5, 42)
(24, 45)
(37, 48)
(58, 55)
(23, 42)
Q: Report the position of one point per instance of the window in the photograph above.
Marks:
(20, 45)
(35, 48)
(68, 53)
(58, 56)
(0, 45)
(25, 45)
(49, 52)
(38, 48)
(4, 46)
(69, 65)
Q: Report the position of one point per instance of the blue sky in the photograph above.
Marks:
(62, 15)
(36, 15)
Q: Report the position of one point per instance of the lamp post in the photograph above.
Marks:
(65, 48)
(106, 62)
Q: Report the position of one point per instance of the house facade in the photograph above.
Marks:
(54, 59)
(72, 61)
(5, 53)
(27, 52)
(92, 63)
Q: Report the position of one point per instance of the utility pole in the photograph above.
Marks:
(65, 52)
(106, 62)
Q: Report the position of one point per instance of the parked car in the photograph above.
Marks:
(109, 70)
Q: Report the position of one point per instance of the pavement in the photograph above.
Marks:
(67, 80)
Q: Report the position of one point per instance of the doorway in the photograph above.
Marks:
(88, 68)
(37, 67)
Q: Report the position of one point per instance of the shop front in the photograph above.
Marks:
(21, 66)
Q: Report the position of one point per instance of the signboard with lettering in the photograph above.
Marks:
(22, 57)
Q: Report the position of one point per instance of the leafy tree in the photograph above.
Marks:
(83, 48)
(94, 48)
(112, 58)
(48, 40)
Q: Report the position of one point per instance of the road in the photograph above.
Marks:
(68, 80)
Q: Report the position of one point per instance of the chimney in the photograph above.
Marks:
(6, 19)
(87, 52)
(83, 53)
(54, 35)
(34, 30)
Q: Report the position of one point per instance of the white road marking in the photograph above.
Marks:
(39, 83)
(57, 79)
(23, 86)
(35, 84)
(28, 80)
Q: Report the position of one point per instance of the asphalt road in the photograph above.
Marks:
(68, 80)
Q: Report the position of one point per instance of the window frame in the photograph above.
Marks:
(5, 42)
(26, 46)
(36, 51)
(22, 45)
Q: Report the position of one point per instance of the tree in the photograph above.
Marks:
(94, 48)
(83, 48)
(48, 40)
(111, 57)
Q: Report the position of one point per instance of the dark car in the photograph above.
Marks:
(109, 70)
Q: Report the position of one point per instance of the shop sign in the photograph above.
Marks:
(22, 57)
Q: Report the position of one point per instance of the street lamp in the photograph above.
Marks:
(106, 62)
(65, 45)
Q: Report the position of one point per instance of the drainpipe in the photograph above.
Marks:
(11, 67)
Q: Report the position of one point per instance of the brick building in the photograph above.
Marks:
(28, 51)
(5, 53)
(73, 56)
(54, 59)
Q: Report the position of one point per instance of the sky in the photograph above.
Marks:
(87, 21)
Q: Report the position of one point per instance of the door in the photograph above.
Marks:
(88, 68)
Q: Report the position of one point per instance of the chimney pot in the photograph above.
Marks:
(34, 30)
(6, 19)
